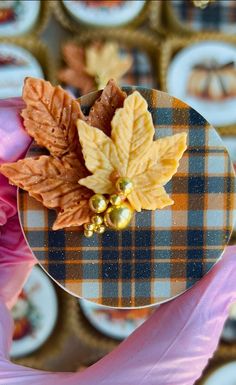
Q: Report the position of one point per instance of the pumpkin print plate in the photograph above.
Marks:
(204, 76)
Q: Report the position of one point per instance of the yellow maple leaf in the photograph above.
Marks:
(132, 153)
(105, 62)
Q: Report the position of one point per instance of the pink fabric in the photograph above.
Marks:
(171, 348)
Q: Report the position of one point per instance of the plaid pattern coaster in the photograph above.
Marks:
(162, 253)
(219, 15)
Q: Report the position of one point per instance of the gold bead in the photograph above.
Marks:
(105, 221)
(100, 229)
(124, 186)
(89, 226)
(118, 217)
(122, 197)
(115, 200)
(88, 233)
(98, 203)
(97, 220)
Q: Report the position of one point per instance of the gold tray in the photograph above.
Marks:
(42, 21)
(91, 337)
(158, 20)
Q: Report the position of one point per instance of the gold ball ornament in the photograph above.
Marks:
(88, 233)
(100, 229)
(98, 203)
(89, 226)
(118, 217)
(97, 220)
(124, 185)
(115, 200)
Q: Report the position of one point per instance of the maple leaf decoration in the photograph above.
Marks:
(91, 68)
(75, 73)
(131, 152)
(105, 63)
(50, 118)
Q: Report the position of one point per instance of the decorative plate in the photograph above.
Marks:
(18, 16)
(115, 323)
(203, 75)
(16, 63)
(104, 13)
(163, 252)
(34, 314)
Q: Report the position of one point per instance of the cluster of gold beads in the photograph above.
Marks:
(113, 212)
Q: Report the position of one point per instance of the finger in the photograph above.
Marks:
(14, 139)
(16, 261)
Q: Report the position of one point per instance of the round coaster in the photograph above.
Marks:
(204, 76)
(18, 16)
(115, 323)
(104, 13)
(34, 314)
(226, 374)
(16, 63)
(163, 252)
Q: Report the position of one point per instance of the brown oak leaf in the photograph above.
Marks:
(76, 215)
(75, 73)
(103, 110)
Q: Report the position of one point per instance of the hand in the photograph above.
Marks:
(15, 257)
(171, 348)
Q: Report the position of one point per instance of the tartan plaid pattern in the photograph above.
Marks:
(162, 253)
(219, 15)
(141, 73)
